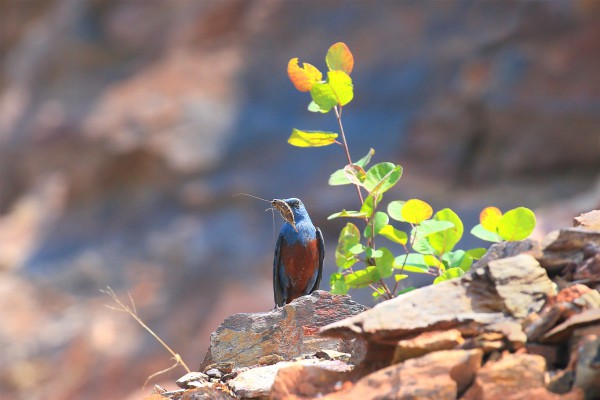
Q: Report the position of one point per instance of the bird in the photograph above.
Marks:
(299, 253)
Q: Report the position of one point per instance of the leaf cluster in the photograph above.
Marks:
(429, 243)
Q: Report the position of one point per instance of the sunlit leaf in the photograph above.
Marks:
(385, 263)
(450, 273)
(379, 221)
(339, 177)
(378, 293)
(349, 237)
(489, 218)
(355, 174)
(516, 224)
(370, 253)
(393, 234)
(411, 263)
(363, 277)
(446, 240)
(337, 90)
(477, 253)
(340, 58)
(416, 211)
(300, 138)
(314, 107)
(303, 77)
(458, 259)
(347, 214)
(399, 277)
(483, 234)
(338, 284)
(381, 177)
(368, 206)
(394, 210)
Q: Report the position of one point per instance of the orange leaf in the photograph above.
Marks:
(489, 218)
(339, 58)
(303, 77)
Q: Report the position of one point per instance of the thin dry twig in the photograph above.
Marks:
(132, 311)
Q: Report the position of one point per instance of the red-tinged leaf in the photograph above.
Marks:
(303, 77)
(339, 58)
(489, 218)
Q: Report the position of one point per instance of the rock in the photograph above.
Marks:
(562, 332)
(426, 343)
(492, 296)
(301, 381)
(588, 269)
(288, 331)
(514, 373)
(256, 383)
(566, 248)
(437, 375)
(549, 352)
(589, 220)
(587, 372)
(191, 379)
(270, 359)
(214, 391)
(572, 292)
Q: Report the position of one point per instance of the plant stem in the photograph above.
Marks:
(338, 115)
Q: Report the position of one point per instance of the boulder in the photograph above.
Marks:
(289, 331)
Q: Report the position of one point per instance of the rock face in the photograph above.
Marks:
(501, 331)
(289, 331)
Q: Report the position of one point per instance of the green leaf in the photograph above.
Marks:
(314, 107)
(379, 221)
(446, 240)
(393, 234)
(480, 232)
(339, 176)
(450, 273)
(300, 138)
(378, 293)
(340, 58)
(349, 237)
(406, 290)
(381, 177)
(370, 253)
(347, 214)
(516, 224)
(477, 253)
(338, 284)
(355, 174)
(411, 262)
(394, 210)
(416, 211)
(363, 277)
(385, 263)
(337, 90)
(489, 218)
(357, 249)
(429, 227)
(399, 277)
(458, 259)
(368, 206)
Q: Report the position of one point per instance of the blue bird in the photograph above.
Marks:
(299, 253)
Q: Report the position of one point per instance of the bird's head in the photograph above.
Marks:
(297, 208)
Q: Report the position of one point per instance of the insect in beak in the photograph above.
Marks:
(286, 211)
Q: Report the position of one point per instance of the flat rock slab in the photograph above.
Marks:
(502, 291)
(256, 383)
(289, 331)
(439, 375)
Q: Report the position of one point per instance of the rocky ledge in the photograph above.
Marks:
(523, 323)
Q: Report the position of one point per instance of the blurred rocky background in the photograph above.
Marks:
(126, 128)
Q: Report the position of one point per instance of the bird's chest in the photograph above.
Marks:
(300, 261)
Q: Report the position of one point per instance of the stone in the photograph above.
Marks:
(256, 383)
(288, 331)
(562, 332)
(589, 220)
(587, 370)
(302, 381)
(438, 375)
(565, 248)
(521, 294)
(426, 343)
(514, 373)
(588, 270)
(492, 297)
(572, 292)
(191, 379)
(548, 319)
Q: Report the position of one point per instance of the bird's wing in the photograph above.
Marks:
(321, 247)
(279, 288)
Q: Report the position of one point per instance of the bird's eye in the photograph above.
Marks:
(296, 204)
